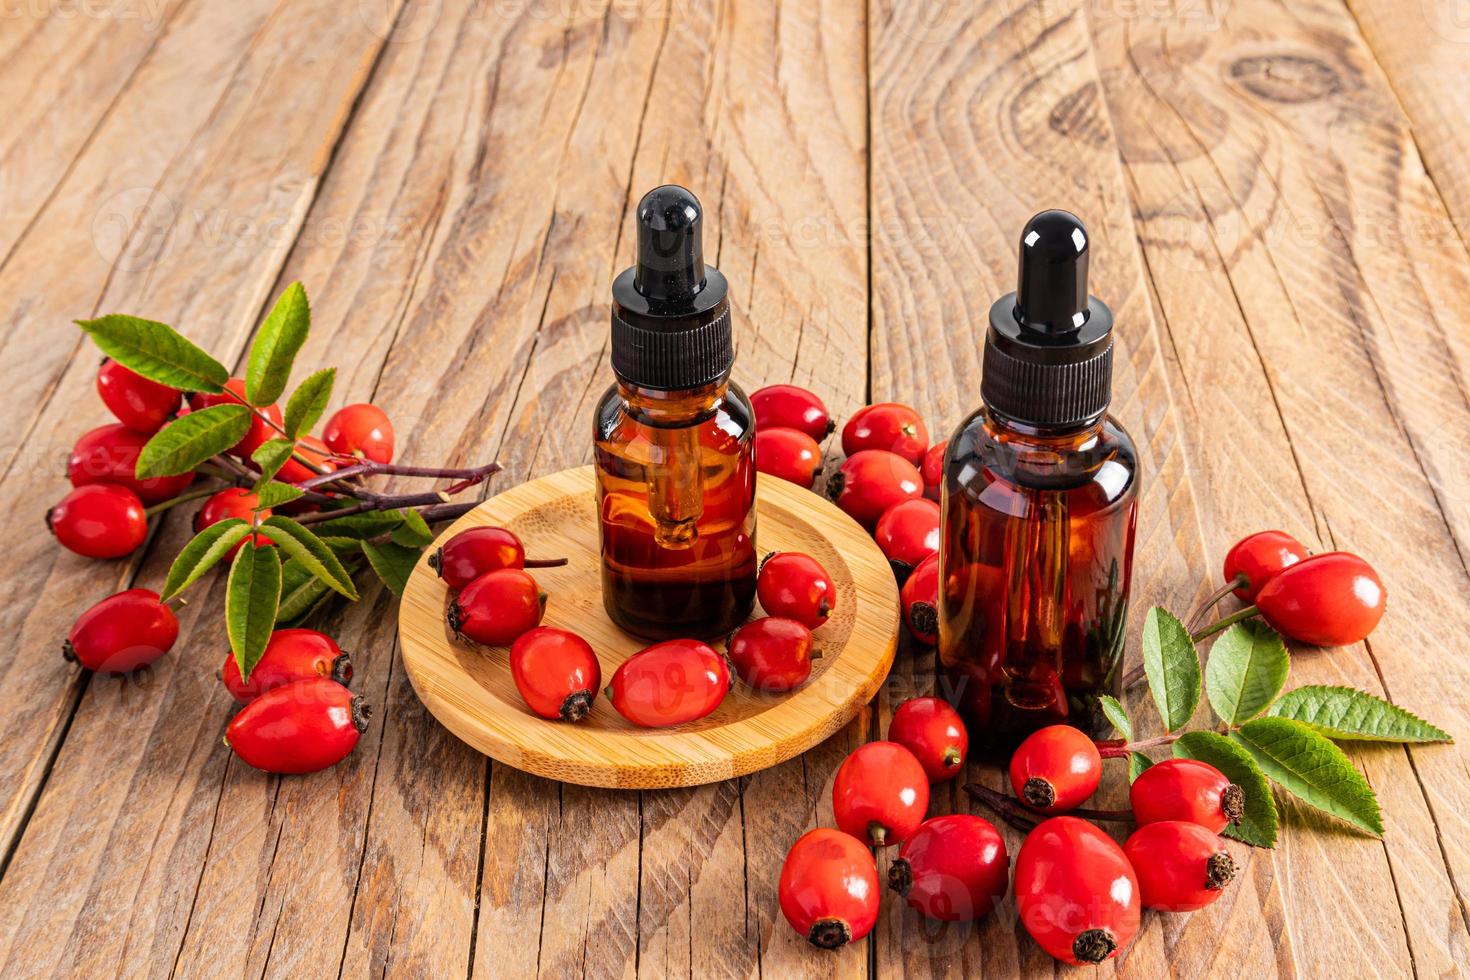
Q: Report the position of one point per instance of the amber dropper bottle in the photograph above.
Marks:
(1039, 507)
(674, 440)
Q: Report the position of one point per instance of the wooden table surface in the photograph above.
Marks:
(1279, 198)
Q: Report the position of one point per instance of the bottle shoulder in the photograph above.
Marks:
(1103, 462)
(730, 413)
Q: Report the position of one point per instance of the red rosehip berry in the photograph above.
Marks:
(919, 599)
(497, 607)
(829, 888)
(1076, 893)
(871, 481)
(1186, 789)
(791, 407)
(670, 683)
(259, 433)
(556, 672)
(1181, 866)
(772, 654)
(99, 520)
(232, 502)
(954, 868)
(316, 452)
(473, 552)
(1328, 600)
(881, 794)
(109, 454)
(907, 533)
(932, 469)
(291, 655)
(137, 402)
(1055, 769)
(122, 633)
(932, 730)
(1258, 558)
(363, 429)
(888, 426)
(788, 454)
(797, 587)
(300, 727)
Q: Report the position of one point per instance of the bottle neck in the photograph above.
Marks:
(1059, 438)
(673, 409)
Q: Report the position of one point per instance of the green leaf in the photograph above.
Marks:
(270, 456)
(191, 439)
(1172, 665)
(276, 494)
(393, 563)
(203, 553)
(1117, 716)
(342, 546)
(157, 351)
(1341, 712)
(276, 343)
(1137, 763)
(302, 593)
(1312, 769)
(414, 533)
(251, 601)
(304, 546)
(309, 401)
(1258, 826)
(1247, 666)
(372, 524)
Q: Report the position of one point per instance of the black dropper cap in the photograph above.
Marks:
(670, 311)
(1049, 350)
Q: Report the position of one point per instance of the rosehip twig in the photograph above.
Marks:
(465, 478)
(1213, 599)
(1007, 808)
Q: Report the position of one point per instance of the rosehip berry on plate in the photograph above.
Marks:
(880, 794)
(829, 888)
(670, 683)
(889, 426)
(309, 448)
(954, 868)
(137, 402)
(362, 428)
(932, 469)
(556, 672)
(796, 586)
(1327, 600)
(932, 730)
(473, 552)
(1055, 769)
(1258, 558)
(1181, 866)
(100, 520)
(232, 502)
(919, 599)
(259, 433)
(497, 607)
(299, 727)
(122, 632)
(1186, 789)
(788, 454)
(790, 407)
(109, 454)
(772, 654)
(907, 533)
(291, 655)
(1076, 893)
(871, 481)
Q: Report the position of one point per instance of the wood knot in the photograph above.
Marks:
(1287, 78)
(1078, 115)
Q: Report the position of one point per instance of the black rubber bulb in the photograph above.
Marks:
(670, 271)
(1051, 283)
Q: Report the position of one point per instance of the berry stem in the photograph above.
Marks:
(268, 421)
(1225, 623)
(182, 498)
(1117, 748)
(1213, 599)
(545, 562)
(1010, 810)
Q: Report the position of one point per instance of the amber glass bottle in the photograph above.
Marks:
(674, 440)
(1039, 508)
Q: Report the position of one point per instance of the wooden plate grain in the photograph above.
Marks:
(469, 688)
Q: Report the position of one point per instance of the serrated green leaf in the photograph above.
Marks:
(1117, 716)
(1172, 665)
(1247, 667)
(202, 553)
(270, 456)
(393, 563)
(301, 544)
(276, 343)
(371, 524)
(342, 546)
(156, 351)
(1342, 712)
(1137, 764)
(1258, 825)
(191, 439)
(251, 601)
(1312, 769)
(302, 593)
(276, 494)
(414, 533)
(309, 401)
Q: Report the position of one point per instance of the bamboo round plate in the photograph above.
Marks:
(469, 688)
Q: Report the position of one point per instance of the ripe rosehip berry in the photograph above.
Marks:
(362, 428)
(1186, 789)
(1258, 558)
(932, 730)
(670, 683)
(887, 425)
(829, 888)
(919, 599)
(1075, 891)
(1327, 600)
(871, 481)
(473, 552)
(907, 533)
(791, 407)
(232, 502)
(932, 469)
(556, 672)
(954, 868)
(310, 448)
(497, 607)
(1055, 769)
(109, 454)
(788, 454)
(291, 655)
(259, 433)
(137, 402)
(1181, 866)
(772, 654)
(299, 727)
(122, 633)
(100, 520)
(880, 794)
(796, 586)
